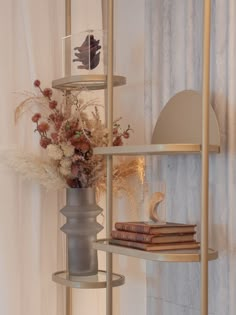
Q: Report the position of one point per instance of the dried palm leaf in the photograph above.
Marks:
(32, 167)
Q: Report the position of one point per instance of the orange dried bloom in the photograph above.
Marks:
(43, 127)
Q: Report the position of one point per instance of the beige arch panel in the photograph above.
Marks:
(180, 121)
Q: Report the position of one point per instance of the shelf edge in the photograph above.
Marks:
(154, 149)
(162, 256)
(83, 284)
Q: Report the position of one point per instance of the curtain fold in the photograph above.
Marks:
(30, 242)
(174, 58)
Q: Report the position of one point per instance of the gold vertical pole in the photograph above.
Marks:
(109, 157)
(68, 17)
(68, 73)
(205, 154)
(67, 48)
(68, 301)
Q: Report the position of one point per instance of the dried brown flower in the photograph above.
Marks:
(74, 133)
(43, 127)
(36, 117)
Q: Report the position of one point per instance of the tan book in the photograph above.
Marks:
(155, 247)
(152, 238)
(155, 228)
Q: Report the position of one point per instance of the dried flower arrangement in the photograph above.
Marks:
(69, 132)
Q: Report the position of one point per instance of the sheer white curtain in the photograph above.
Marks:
(173, 63)
(31, 244)
(30, 33)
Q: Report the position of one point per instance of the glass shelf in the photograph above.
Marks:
(97, 281)
(167, 256)
(176, 148)
(89, 82)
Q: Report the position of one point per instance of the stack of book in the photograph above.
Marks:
(154, 236)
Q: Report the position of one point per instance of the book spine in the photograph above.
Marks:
(130, 236)
(132, 227)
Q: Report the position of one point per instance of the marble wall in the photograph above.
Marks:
(173, 63)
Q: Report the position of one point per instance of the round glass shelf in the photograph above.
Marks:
(97, 281)
(89, 82)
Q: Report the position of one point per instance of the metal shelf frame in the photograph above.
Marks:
(204, 150)
(204, 255)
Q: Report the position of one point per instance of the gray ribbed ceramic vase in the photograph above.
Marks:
(81, 229)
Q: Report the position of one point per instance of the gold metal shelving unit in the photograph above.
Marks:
(108, 82)
(205, 254)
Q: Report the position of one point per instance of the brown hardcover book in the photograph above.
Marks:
(155, 228)
(152, 238)
(155, 247)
